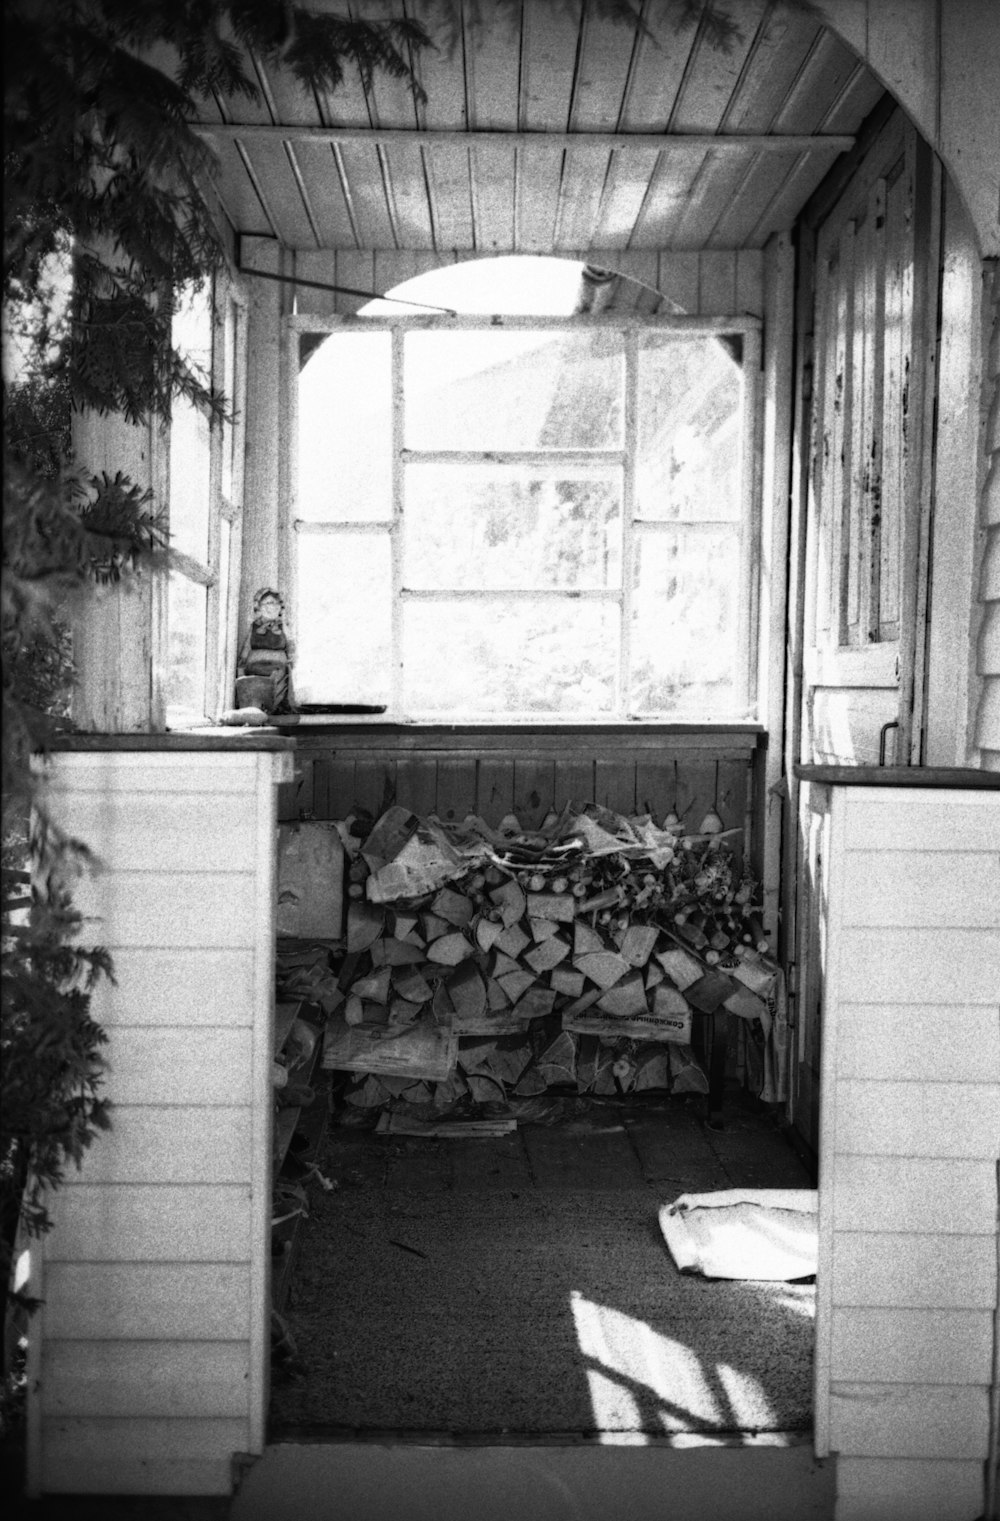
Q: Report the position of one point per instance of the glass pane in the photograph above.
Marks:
(184, 678)
(690, 404)
(345, 429)
(491, 656)
(229, 331)
(225, 581)
(490, 527)
(514, 390)
(685, 620)
(343, 648)
(190, 443)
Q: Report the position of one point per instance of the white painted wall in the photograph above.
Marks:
(149, 1357)
(909, 1148)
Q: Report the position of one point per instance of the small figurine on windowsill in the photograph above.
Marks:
(264, 662)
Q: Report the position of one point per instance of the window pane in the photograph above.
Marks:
(514, 390)
(489, 527)
(684, 621)
(345, 429)
(187, 618)
(344, 627)
(225, 583)
(491, 656)
(229, 331)
(190, 444)
(690, 393)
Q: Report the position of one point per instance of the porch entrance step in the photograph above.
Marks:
(771, 1478)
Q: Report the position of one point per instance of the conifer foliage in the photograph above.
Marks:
(108, 215)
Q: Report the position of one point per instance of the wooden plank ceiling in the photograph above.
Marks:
(549, 128)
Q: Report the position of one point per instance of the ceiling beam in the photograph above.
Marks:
(700, 142)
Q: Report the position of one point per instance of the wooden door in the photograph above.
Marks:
(869, 478)
(864, 534)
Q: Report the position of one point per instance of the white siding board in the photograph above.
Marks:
(908, 1489)
(150, 1222)
(172, 1066)
(167, 909)
(912, 1346)
(908, 1421)
(948, 1043)
(155, 1301)
(908, 1271)
(965, 821)
(139, 1379)
(171, 1145)
(918, 966)
(142, 831)
(918, 1119)
(177, 986)
(923, 890)
(152, 771)
(914, 1194)
(141, 1457)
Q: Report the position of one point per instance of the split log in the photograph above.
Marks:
(559, 906)
(402, 1012)
(449, 950)
(536, 1003)
(433, 927)
(412, 985)
(746, 1004)
(626, 997)
(392, 952)
(496, 998)
(516, 983)
(467, 991)
(453, 906)
(374, 987)
(488, 932)
(586, 940)
(567, 982)
(680, 966)
(504, 965)
(403, 925)
(543, 929)
(547, 955)
(510, 900)
(654, 976)
(513, 940)
(603, 967)
(710, 991)
(365, 923)
(637, 943)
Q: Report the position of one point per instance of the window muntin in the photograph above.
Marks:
(609, 544)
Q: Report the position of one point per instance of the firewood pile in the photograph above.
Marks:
(482, 964)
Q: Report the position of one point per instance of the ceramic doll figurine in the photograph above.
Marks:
(267, 650)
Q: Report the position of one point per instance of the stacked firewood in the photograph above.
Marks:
(512, 961)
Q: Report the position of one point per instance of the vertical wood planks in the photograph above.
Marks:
(534, 790)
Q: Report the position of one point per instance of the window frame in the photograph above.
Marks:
(229, 317)
(747, 328)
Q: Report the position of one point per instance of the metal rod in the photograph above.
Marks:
(693, 142)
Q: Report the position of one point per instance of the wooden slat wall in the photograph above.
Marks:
(910, 1142)
(453, 772)
(150, 1351)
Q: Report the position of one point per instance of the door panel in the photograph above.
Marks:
(874, 347)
